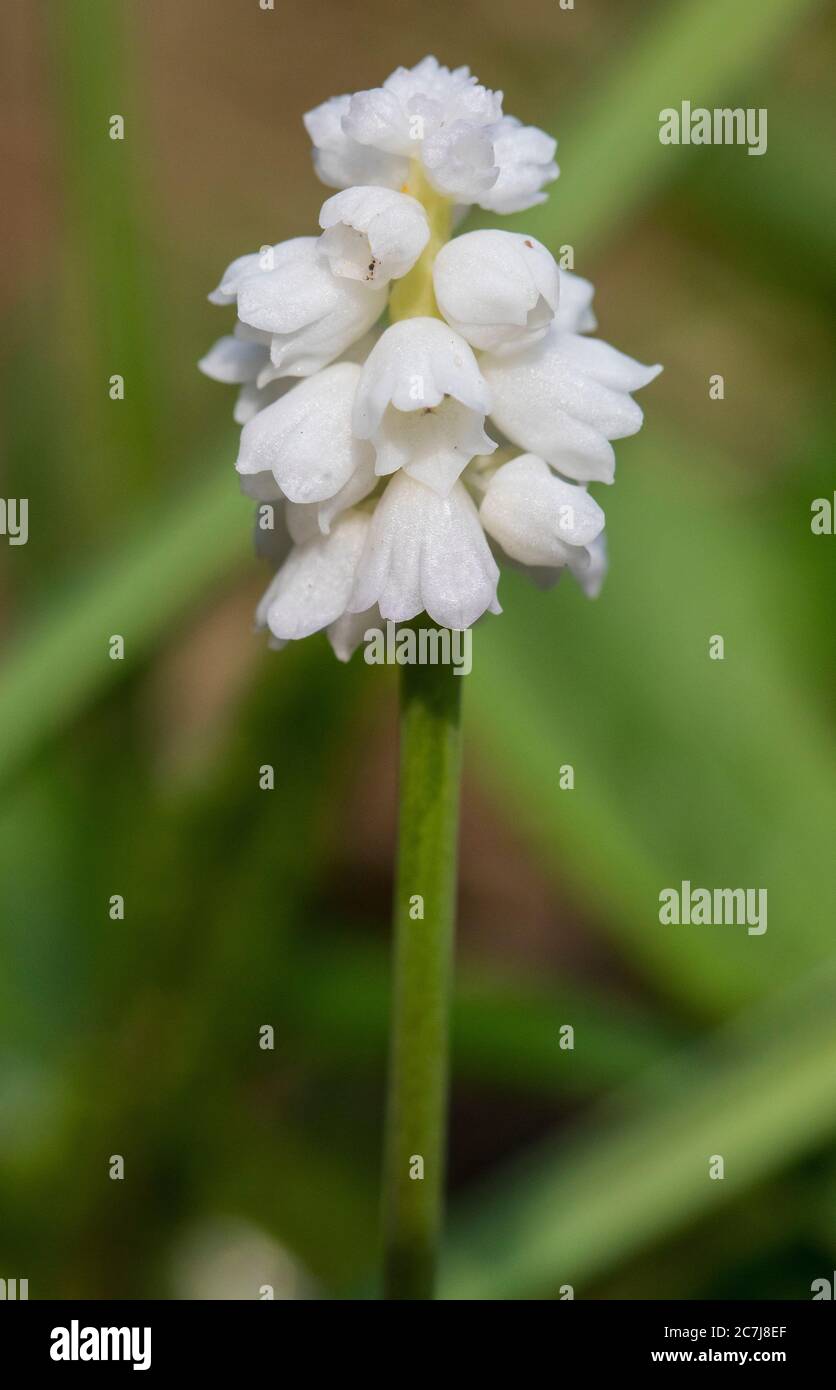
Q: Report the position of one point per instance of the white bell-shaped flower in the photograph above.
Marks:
(459, 161)
(313, 586)
(565, 398)
(427, 553)
(538, 518)
(422, 401)
(372, 234)
(323, 567)
(233, 360)
(226, 290)
(305, 439)
(242, 358)
(312, 315)
(498, 289)
(524, 156)
(321, 515)
(341, 162)
(587, 565)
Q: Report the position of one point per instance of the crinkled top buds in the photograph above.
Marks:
(395, 464)
(444, 121)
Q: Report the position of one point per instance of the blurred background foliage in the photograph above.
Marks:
(246, 907)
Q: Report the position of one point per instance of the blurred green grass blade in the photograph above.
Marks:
(174, 557)
(611, 161)
(507, 1033)
(157, 1053)
(760, 1095)
(321, 1202)
(674, 766)
(120, 324)
(505, 1027)
(793, 202)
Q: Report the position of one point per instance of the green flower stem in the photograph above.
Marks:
(424, 917)
(425, 902)
(413, 295)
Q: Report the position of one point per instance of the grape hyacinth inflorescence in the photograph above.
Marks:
(397, 464)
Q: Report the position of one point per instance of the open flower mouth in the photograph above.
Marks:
(540, 316)
(433, 444)
(349, 253)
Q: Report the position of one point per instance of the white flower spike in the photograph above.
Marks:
(387, 495)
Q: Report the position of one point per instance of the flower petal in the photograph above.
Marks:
(525, 158)
(372, 234)
(312, 588)
(413, 366)
(426, 553)
(498, 289)
(574, 310)
(591, 576)
(341, 162)
(551, 400)
(537, 518)
(346, 634)
(234, 361)
(232, 277)
(305, 438)
(312, 314)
